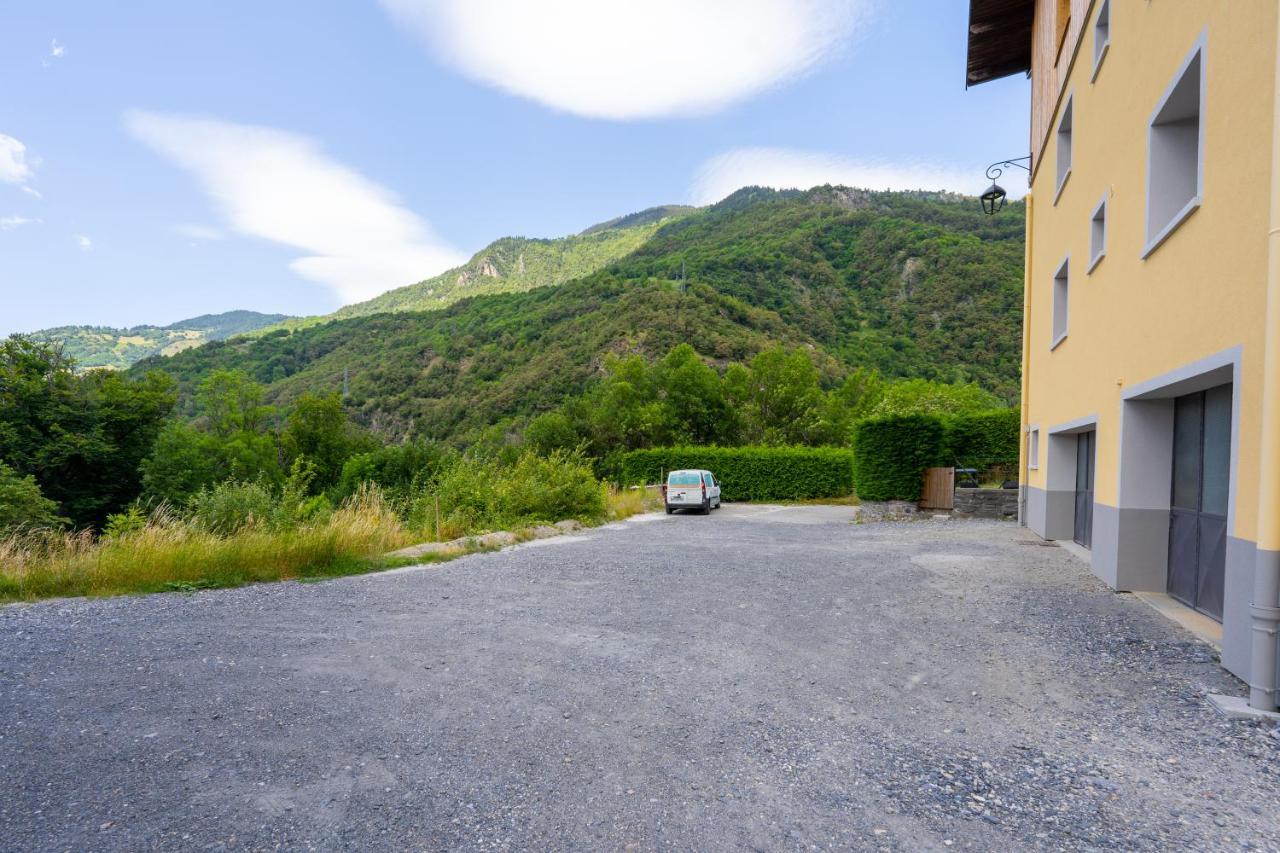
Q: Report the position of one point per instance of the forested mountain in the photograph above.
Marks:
(513, 265)
(908, 284)
(102, 346)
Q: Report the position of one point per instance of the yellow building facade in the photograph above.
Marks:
(1151, 342)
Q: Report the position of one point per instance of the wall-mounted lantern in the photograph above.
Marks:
(994, 197)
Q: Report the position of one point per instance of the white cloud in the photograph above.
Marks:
(787, 168)
(14, 168)
(279, 186)
(199, 232)
(631, 59)
(32, 191)
(84, 242)
(56, 51)
(8, 223)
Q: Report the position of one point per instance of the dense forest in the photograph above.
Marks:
(908, 285)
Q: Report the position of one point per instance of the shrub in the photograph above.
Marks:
(892, 453)
(23, 505)
(550, 488)
(751, 473)
(397, 468)
(476, 494)
(124, 523)
(232, 506)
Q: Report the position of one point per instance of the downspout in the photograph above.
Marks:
(1265, 610)
(1024, 466)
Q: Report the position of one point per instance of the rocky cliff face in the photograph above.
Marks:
(481, 267)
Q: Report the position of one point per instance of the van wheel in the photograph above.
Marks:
(706, 507)
(670, 510)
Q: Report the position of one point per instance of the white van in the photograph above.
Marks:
(691, 489)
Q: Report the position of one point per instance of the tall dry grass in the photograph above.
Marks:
(172, 552)
(241, 533)
(626, 502)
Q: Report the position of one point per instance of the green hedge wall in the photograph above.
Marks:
(890, 455)
(751, 473)
(976, 441)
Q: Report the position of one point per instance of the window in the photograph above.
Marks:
(1061, 292)
(1033, 448)
(1098, 234)
(1175, 152)
(1101, 36)
(1064, 148)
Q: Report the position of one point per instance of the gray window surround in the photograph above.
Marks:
(1098, 234)
(1216, 369)
(1061, 461)
(1196, 57)
(1061, 302)
(1033, 447)
(1062, 144)
(1101, 37)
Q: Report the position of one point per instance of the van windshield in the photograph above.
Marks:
(684, 478)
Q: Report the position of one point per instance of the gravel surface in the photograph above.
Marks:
(757, 678)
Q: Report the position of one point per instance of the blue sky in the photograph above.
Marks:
(160, 160)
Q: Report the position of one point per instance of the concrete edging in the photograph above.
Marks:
(496, 539)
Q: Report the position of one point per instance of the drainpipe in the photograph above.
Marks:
(1024, 464)
(1265, 610)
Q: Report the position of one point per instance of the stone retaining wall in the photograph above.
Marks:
(987, 503)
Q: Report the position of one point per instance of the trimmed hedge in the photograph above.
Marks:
(751, 473)
(891, 454)
(976, 441)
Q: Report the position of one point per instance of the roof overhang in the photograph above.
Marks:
(999, 39)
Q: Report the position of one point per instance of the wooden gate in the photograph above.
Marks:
(939, 489)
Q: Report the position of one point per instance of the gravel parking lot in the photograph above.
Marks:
(763, 677)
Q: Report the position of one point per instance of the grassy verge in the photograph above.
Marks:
(170, 553)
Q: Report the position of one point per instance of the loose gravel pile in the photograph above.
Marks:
(757, 678)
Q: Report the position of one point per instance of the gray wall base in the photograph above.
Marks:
(1051, 514)
(1237, 638)
(1033, 510)
(1131, 547)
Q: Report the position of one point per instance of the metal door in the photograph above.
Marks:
(1085, 446)
(1198, 505)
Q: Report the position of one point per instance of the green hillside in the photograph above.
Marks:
(102, 346)
(513, 265)
(910, 284)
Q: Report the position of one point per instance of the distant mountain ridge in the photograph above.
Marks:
(514, 265)
(117, 349)
(909, 284)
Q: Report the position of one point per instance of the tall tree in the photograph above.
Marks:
(82, 437)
